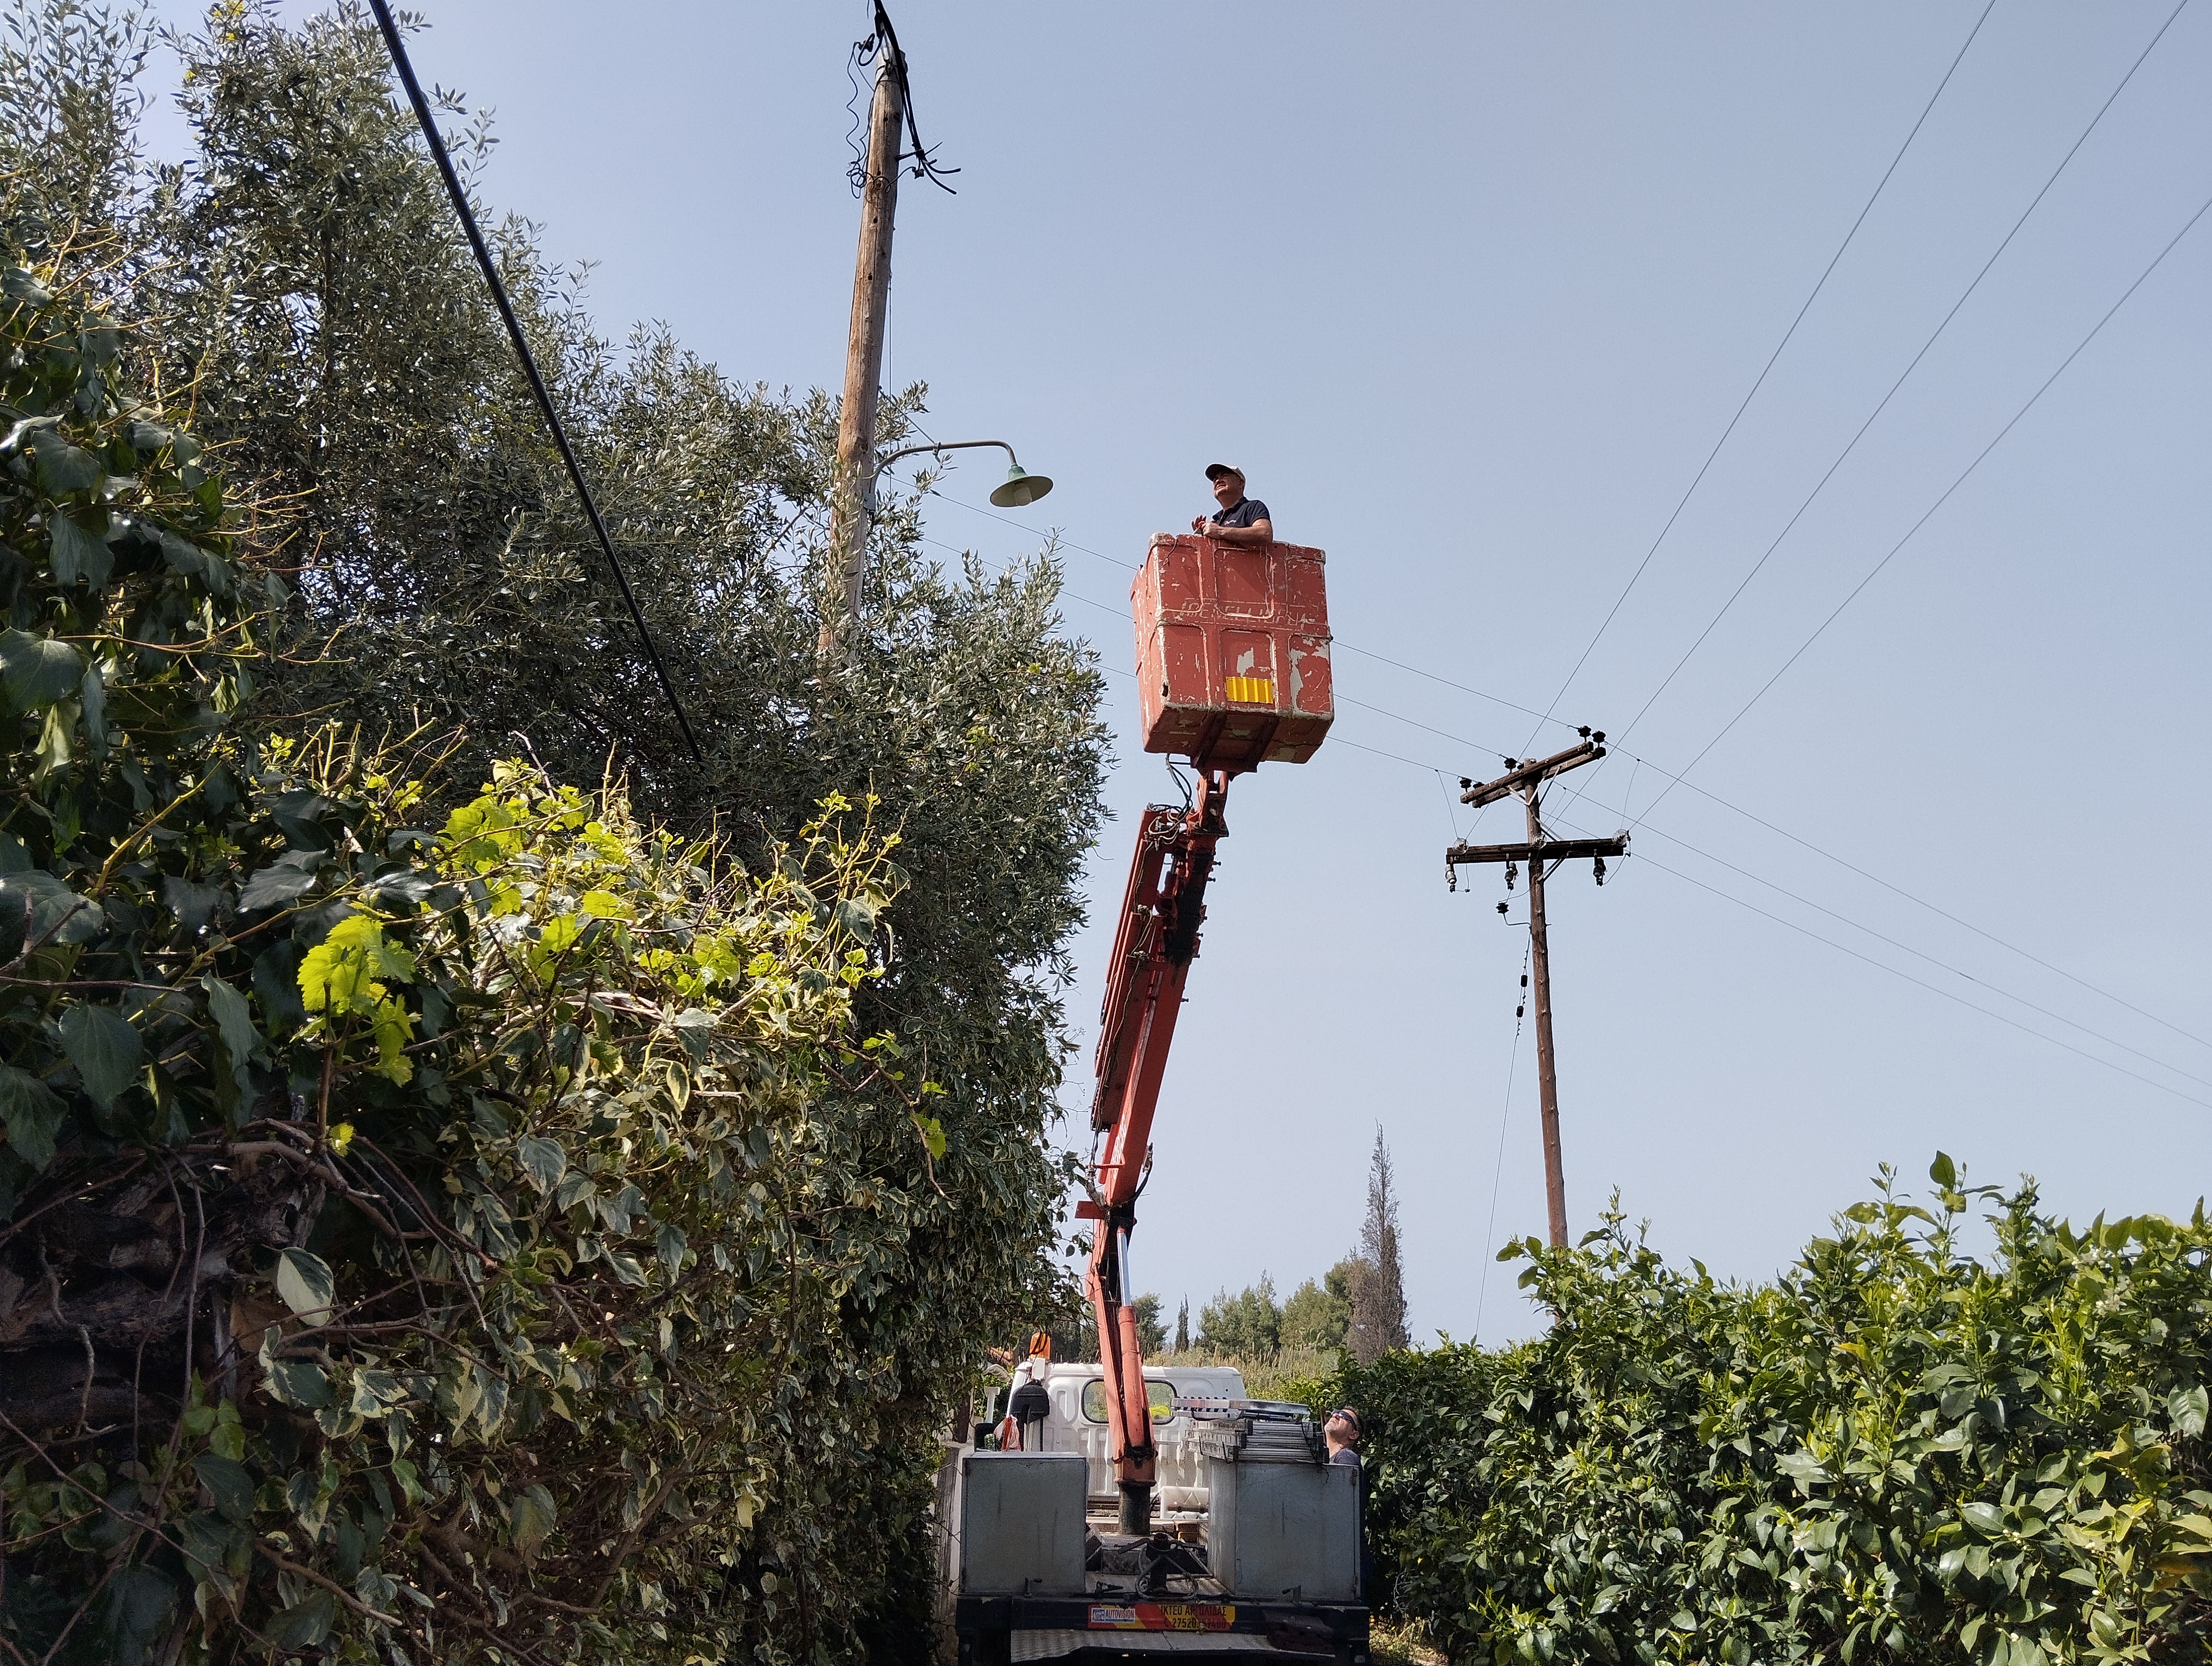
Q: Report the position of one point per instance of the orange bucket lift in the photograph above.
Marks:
(1232, 651)
(1232, 672)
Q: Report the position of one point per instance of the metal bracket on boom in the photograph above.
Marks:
(1153, 948)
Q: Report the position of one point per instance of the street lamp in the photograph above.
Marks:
(1019, 490)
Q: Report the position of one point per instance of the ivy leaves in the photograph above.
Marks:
(32, 1114)
(543, 1162)
(306, 1284)
(38, 670)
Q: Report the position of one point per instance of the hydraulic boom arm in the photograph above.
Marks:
(1153, 948)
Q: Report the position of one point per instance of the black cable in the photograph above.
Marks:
(1921, 954)
(1504, 1120)
(460, 197)
(1943, 913)
(884, 38)
(1932, 988)
(1772, 358)
(2006, 994)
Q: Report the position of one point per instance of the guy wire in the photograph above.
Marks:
(1505, 1121)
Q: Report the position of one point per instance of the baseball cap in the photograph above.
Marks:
(1215, 471)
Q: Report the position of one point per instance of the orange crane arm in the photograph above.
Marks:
(1153, 946)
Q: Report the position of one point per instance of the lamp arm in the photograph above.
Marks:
(884, 462)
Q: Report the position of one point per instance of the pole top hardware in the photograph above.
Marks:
(1527, 774)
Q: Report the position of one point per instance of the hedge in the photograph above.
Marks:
(1895, 1451)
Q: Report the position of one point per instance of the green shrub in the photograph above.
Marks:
(1893, 1452)
(494, 1237)
(179, 837)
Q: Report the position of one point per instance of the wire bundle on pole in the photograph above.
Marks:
(882, 38)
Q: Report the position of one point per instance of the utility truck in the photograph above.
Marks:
(1158, 1510)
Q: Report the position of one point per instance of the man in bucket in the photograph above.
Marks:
(1240, 520)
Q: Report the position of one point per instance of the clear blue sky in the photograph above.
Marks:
(1471, 292)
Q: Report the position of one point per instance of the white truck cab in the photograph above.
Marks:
(1077, 1424)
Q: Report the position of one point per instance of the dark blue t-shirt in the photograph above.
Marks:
(1248, 510)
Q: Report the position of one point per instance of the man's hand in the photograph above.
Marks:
(1260, 532)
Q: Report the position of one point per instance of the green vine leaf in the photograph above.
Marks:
(34, 1114)
(543, 1161)
(38, 670)
(305, 1283)
(229, 1483)
(106, 1049)
(290, 876)
(78, 554)
(530, 1518)
(306, 1623)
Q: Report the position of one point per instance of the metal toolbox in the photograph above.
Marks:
(1232, 651)
(1284, 1530)
(1021, 1523)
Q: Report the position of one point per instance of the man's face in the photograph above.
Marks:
(1339, 1429)
(1229, 490)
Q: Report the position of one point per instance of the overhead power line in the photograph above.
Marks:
(1914, 529)
(1994, 988)
(1821, 484)
(1606, 623)
(1934, 988)
(1921, 901)
(1504, 1120)
(490, 268)
(1922, 954)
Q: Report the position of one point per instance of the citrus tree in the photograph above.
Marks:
(1897, 1451)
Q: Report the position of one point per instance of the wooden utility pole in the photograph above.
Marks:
(852, 504)
(1528, 780)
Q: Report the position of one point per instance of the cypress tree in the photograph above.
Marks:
(1379, 1289)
